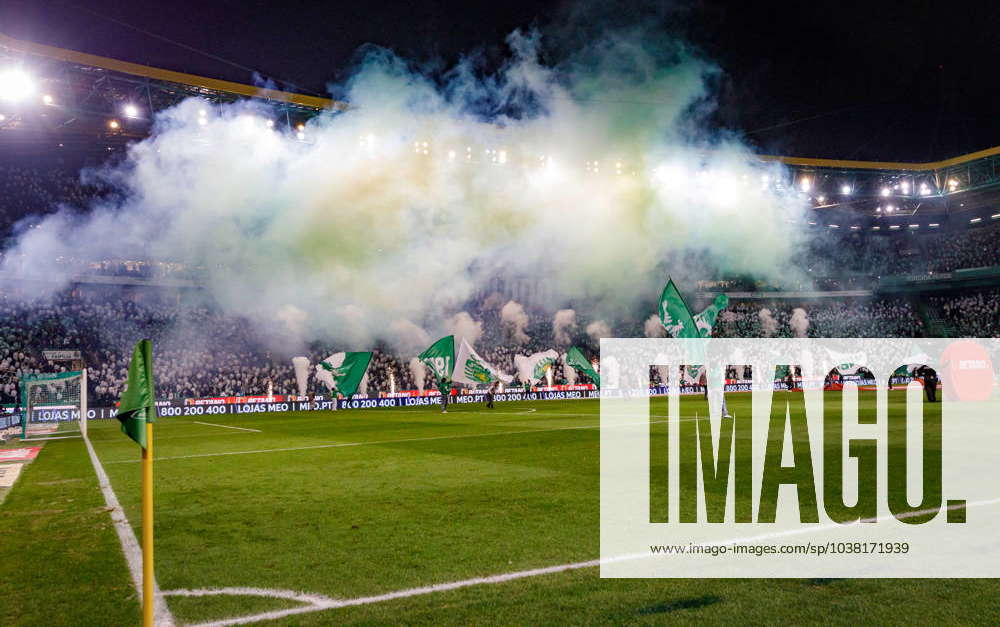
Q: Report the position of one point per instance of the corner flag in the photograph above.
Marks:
(137, 413)
(138, 402)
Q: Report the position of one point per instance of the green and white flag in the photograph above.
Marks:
(440, 357)
(675, 315)
(706, 319)
(848, 368)
(574, 357)
(342, 372)
(535, 366)
(471, 368)
(138, 402)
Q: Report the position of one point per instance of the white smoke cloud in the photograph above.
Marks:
(523, 367)
(409, 337)
(653, 327)
(461, 325)
(419, 372)
(563, 326)
(294, 320)
(768, 324)
(430, 186)
(569, 372)
(799, 322)
(514, 321)
(598, 329)
(300, 365)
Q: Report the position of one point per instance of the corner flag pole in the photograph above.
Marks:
(137, 413)
(147, 529)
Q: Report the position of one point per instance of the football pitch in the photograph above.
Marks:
(384, 517)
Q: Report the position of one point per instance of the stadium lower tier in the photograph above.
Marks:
(205, 353)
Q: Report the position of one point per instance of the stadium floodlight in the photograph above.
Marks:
(130, 111)
(821, 199)
(2, 117)
(47, 99)
(114, 125)
(952, 184)
(924, 189)
(301, 135)
(805, 183)
(15, 85)
(845, 190)
(270, 124)
(885, 191)
(905, 185)
(202, 121)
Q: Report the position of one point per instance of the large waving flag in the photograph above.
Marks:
(440, 357)
(574, 357)
(674, 313)
(706, 319)
(471, 368)
(536, 365)
(342, 372)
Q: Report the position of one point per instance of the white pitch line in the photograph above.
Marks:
(377, 442)
(215, 424)
(130, 545)
(319, 603)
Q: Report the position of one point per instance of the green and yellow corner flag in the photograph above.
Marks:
(138, 402)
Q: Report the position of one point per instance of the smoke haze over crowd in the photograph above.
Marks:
(380, 221)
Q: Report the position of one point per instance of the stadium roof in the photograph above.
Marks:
(144, 71)
(90, 96)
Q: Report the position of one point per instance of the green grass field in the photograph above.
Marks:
(361, 503)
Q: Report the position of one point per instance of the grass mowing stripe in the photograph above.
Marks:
(60, 562)
(317, 603)
(377, 442)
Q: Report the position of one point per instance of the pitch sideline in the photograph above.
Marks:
(130, 544)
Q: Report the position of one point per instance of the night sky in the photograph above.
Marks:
(907, 81)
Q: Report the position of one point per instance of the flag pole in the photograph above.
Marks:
(147, 529)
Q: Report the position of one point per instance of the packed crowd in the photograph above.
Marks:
(227, 360)
(201, 352)
(884, 318)
(974, 315)
(902, 252)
